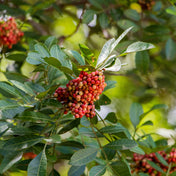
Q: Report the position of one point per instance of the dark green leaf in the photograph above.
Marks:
(132, 14)
(38, 166)
(83, 156)
(86, 132)
(121, 144)
(32, 116)
(109, 153)
(104, 100)
(111, 117)
(135, 111)
(22, 142)
(137, 150)
(103, 20)
(125, 24)
(53, 62)
(9, 160)
(70, 126)
(88, 16)
(120, 168)
(97, 170)
(71, 143)
(17, 57)
(142, 61)
(54, 173)
(149, 122)
(96, 3)
(76, 170)
(111, 129)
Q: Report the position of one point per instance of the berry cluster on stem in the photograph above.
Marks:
(10, 34)
(141, 164)
(81, 93)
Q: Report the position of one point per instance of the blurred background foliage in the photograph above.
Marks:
(146, 77)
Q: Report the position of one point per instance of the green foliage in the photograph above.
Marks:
(33, 120)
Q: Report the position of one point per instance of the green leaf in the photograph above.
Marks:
(57, 53)
(110, 154)
(88, 55)
(106, 50)
(170, 49)
(9, 160)
(51, 41)
(88, 16)
(34, 58)
(111, 117)
(96, 3)
(110, 84)
(137, 150)
(161, 159)
(38, 166)
(149, 122)
(76, 170)
(116, 42)
(86, 132)
(120, 168)
(83, 156)
(22, 142)
(71, 125)
(158, 106)
(125, 24)
(103, 20)
(142, 60)
(135, 111)
(171, 10)
(104, 100)
(32, 116)
(121, 144)
(24, 87)
(54, 173)
(132, 14)
(155, 166)
(84, 121)
(112, 129)
(4, 104)
(72, 143)
(138, 46)
(10, 89)
(115, 67)
(78, 57)
(97, 170)
(42, 50)
(17, 57)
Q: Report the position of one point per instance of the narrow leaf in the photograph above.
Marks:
(105, 52)
(120, 38)
(38, 166)
(112, 129)
(155, 166)
(22, 142)
(138, 46)
(4, 104)
(9, 160)
(42, 50)
(161, 159)
(83, 156)
(115, 67)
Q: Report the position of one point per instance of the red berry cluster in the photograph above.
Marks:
(81, 93)
(141, 164)
(29, 155)
(10, 34)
